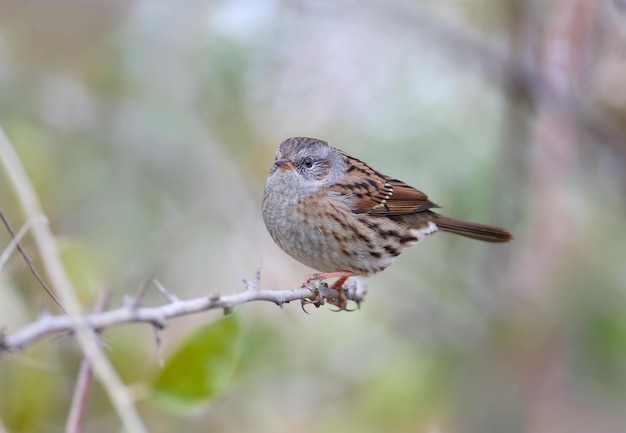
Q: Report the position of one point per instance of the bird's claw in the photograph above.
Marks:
(341, 303)
(317, 300)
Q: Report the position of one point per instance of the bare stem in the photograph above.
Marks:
(29, 262)
(83, 383)
(49, 325)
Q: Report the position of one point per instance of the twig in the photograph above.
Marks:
(4, 257)
(59, 280)
(83, 382)
(15, 241)
(157, 316)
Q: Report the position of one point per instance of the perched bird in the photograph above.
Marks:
(342, 217)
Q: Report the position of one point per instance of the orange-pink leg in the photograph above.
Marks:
(326, 275)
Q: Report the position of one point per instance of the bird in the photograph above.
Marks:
(340, 216)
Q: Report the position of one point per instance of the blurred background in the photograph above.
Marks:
(148, 128)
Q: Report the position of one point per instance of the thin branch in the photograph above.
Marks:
(8, 251)
(15, 241)
(49, 325)
(83, 382)
(79, 401)
(62, 285)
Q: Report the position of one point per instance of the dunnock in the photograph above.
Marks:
(337, 214)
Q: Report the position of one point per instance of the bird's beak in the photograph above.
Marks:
(283, 163)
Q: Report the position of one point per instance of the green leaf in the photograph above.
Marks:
(201, 368)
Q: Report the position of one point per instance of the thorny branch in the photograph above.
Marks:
(316, 292)
(62, 286)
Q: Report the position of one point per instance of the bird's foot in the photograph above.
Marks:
(341, 302)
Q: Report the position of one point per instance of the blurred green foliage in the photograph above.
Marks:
(201, 368)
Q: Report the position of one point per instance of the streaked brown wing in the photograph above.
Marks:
(376, 194)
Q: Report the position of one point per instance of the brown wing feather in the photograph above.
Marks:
(377, 194)
(406, 199)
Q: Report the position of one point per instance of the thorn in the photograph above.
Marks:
(228, 310)
(214, 298)
(159, 348)
(256, 283)
(159, 323)
(141, 291)
(102, 302)
(251, 285)
(166, 294)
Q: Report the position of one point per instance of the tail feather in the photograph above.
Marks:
(481, 232)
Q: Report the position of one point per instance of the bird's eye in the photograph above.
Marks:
(308, 162)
